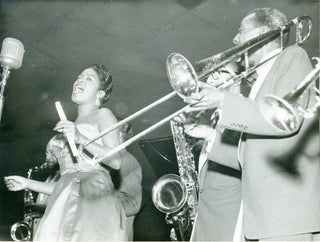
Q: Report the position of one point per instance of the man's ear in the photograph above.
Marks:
(101, 94)
(264, 29)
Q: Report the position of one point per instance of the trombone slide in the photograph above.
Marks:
(143, 133)
(126, 120)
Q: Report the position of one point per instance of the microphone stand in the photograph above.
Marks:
(5, 75)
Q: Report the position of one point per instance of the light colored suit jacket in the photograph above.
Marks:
(280, 171)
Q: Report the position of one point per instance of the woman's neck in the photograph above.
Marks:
(86, 109)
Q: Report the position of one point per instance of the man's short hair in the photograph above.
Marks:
(270, 17)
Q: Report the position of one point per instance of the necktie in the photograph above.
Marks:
(248, 83)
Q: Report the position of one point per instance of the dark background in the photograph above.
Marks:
(133, 39)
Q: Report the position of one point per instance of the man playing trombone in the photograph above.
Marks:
(280, 167)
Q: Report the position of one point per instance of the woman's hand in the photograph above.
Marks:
(68, 128)
(16, 183)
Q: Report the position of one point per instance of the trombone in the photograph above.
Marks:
(183, 76)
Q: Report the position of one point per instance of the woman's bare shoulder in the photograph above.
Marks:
(105, 113)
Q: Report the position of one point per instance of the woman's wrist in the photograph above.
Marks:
(27, 183)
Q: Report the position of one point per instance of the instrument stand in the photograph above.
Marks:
(4, 76)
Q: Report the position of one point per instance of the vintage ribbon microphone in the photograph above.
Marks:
(11, 57)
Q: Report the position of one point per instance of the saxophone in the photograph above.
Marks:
(22, 231)
(177, 195)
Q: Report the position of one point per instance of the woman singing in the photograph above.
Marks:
(83, 204)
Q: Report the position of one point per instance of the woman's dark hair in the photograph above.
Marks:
(105, 80)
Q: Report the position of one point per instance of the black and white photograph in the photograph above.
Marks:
(149, 120)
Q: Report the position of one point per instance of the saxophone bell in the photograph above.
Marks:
(21, 231)
(169, 193)
(170, 196)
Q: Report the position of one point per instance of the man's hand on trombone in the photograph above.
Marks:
(194, 128)
(208, 97)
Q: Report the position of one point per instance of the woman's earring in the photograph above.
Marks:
(98, 103)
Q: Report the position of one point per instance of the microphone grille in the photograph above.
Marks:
(11, 53)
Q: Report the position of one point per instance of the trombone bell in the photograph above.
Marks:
(286, 113)
(182, 76)
(279, 113)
